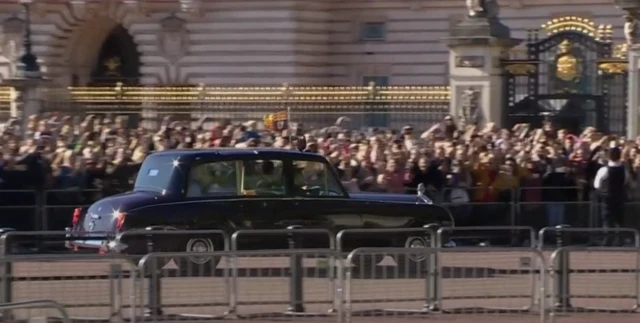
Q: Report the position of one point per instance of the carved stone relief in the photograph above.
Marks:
(469, 111)
(470, 61)
(173, 40)
(631, 30)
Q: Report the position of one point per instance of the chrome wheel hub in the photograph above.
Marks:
(415, 242)
(200, 245)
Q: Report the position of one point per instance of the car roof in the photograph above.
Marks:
(239, 153)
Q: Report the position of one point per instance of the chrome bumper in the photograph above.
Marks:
(104, 246)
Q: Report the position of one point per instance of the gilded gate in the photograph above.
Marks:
(575, 77)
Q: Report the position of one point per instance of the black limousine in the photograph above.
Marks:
(236, 189)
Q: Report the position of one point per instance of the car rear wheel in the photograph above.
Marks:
(414, 262)
(198, 265)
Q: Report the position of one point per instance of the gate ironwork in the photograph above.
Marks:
(575, 77)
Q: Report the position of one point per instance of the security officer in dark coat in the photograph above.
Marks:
(612, 181)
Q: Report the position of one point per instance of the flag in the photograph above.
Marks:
(277, 121)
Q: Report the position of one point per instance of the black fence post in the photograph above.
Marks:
(433, 289)
(296, 278)
(562, 280)
(155, 281)
(6, 275)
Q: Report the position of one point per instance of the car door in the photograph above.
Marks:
(331, 214)
(320, 201)
(263, 191)
(381, 215)
(260, 213)
(385, 215)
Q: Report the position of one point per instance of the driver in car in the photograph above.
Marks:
(303, 183)
(269, 178)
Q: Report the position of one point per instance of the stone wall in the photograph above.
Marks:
(244, 42)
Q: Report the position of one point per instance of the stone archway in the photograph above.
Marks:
(118, 60)
(96, 41)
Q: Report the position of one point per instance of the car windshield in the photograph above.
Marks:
(156, 174)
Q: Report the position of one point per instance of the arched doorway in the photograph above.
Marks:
(101, 51)
(117, 61)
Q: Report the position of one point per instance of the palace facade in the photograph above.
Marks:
(260, 42)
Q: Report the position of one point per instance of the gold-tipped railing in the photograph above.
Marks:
(202, 93)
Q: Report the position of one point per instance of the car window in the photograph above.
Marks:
(262, 178)
(156, 174)
(312, 178)
(213, 179)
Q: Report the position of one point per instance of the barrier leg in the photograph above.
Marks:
(6, 276)
(562, 280)
(154, 291)
(115, 290)
(296, 300)
(433, 279)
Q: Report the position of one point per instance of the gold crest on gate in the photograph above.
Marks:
(567, 65)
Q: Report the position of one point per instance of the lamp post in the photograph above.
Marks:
(632, 37)
(27, 66)
(27, 78)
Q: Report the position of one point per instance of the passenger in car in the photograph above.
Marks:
(199, 181)
(203, 181)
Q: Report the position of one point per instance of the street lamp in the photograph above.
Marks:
(27, 66)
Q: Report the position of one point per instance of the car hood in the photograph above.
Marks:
(387, 197)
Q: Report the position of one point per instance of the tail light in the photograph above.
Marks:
(120, 220)
(76, 216)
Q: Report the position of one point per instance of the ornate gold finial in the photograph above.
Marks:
(613, 68)
(564, 47)
(567, 64)
(112, 64)
(620, 51)
(570, 23)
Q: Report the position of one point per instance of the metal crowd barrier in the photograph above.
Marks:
(390, 294)
(93, 287)
(594, 280)
(312, 281)
(37, 304)
(266, 271)
(562, 234)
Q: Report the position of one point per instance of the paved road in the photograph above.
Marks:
(472, 281)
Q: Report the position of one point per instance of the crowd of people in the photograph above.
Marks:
(458, 166)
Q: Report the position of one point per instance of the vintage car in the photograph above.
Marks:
(236, 189)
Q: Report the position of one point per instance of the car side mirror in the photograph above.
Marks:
(421, 189)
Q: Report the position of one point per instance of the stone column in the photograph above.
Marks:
(632, 36)
(476, 45)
